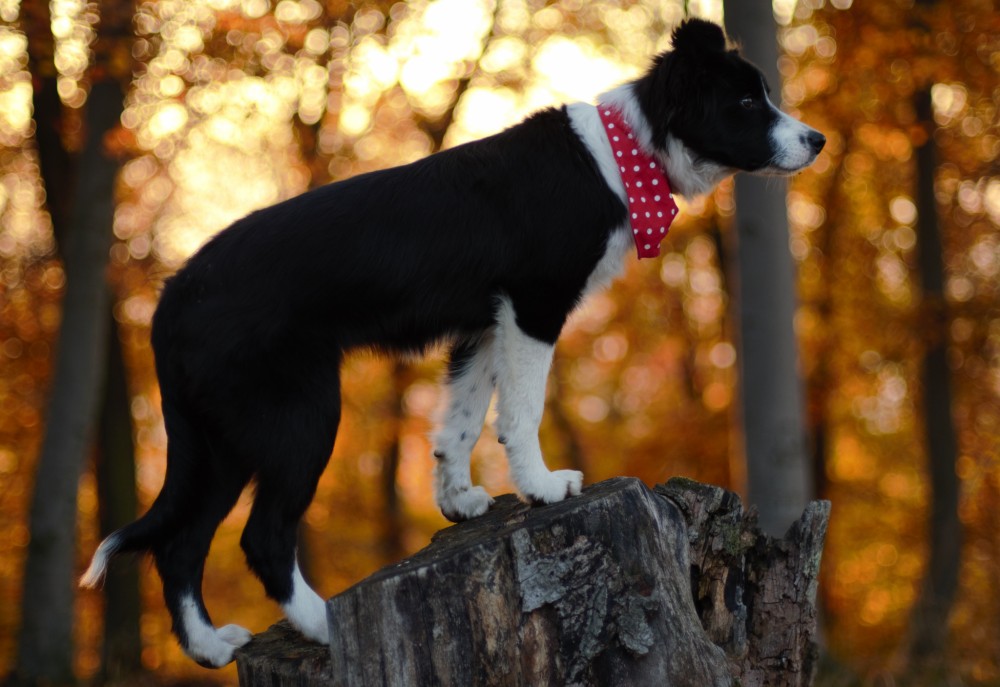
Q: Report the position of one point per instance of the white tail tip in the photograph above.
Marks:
(99, 563)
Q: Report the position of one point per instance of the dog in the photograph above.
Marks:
(489, 246)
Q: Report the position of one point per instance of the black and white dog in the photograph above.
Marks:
(489, 245)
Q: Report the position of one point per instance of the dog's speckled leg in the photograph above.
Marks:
(470, 388)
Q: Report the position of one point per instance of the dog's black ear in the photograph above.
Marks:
(698, 35)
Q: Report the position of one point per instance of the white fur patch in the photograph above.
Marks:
(306, 610)
(522, 371)
(469, 394)
(587, 125)
(205, 644)
(689, 174)
(789, 138)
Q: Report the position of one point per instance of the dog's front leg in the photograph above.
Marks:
(470, 388)
(523, 364)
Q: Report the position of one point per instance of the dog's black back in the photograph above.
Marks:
(400, 258)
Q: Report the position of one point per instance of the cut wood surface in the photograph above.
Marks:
(622, 585)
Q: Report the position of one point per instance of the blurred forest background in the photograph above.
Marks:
(130, 132)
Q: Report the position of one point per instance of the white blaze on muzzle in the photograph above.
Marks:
(795, 145)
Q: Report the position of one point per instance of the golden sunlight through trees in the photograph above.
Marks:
(233, 105)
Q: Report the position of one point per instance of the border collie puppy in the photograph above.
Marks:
(489, 245)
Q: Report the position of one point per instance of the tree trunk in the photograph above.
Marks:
(392, 547)
(620, 586)
(929, 629)
(778, 470)
(755, 594)
(46, 642)
(117, 506)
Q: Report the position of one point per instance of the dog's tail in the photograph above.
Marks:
(166, 514)
(138, 537)
(133, 537)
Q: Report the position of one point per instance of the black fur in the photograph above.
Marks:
(249, 335)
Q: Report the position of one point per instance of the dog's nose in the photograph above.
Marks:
(815, 140)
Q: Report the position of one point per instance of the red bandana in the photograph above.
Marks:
(651, 205)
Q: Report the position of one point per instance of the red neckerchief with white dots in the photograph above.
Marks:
(651, 205)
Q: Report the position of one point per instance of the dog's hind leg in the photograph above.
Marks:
(471, 371)
(198, 505)
(293, 456)
(523, 363)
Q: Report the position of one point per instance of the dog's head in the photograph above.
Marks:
(709, 113)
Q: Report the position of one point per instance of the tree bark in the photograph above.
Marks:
(755, 594)
(929, 628)
(46, 642)
(117, 506)
(774, 435)
(620, 586)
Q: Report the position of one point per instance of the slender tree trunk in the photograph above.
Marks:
(46, 641)
(56, 164)
(122, 655)
(392, 515)
(929, 629)
(771, 391)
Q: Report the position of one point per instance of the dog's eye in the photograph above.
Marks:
(748, 102)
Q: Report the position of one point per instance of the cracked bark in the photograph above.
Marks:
(620, 586)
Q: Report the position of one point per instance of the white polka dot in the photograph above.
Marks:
(619, 153)
(649, 231)
(646, 246)
(671, 196)
(614, 138)
(636, 168)
(656, 182)
(635, 215)
(611, 126)
(647, 214)
(663, 230)
(652, 165)
(638, 184)
(622, 168)
(643, 199)
(607, 112)
(673, 211)
(635, 152)
(656, 198)
(630, 137)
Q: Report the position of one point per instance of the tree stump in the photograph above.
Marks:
(619, 586)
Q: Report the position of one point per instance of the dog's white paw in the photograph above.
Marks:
(552, 487)
(235, 635)
(464, 504)
(205, 644)
(214, 648)
(312, 627)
